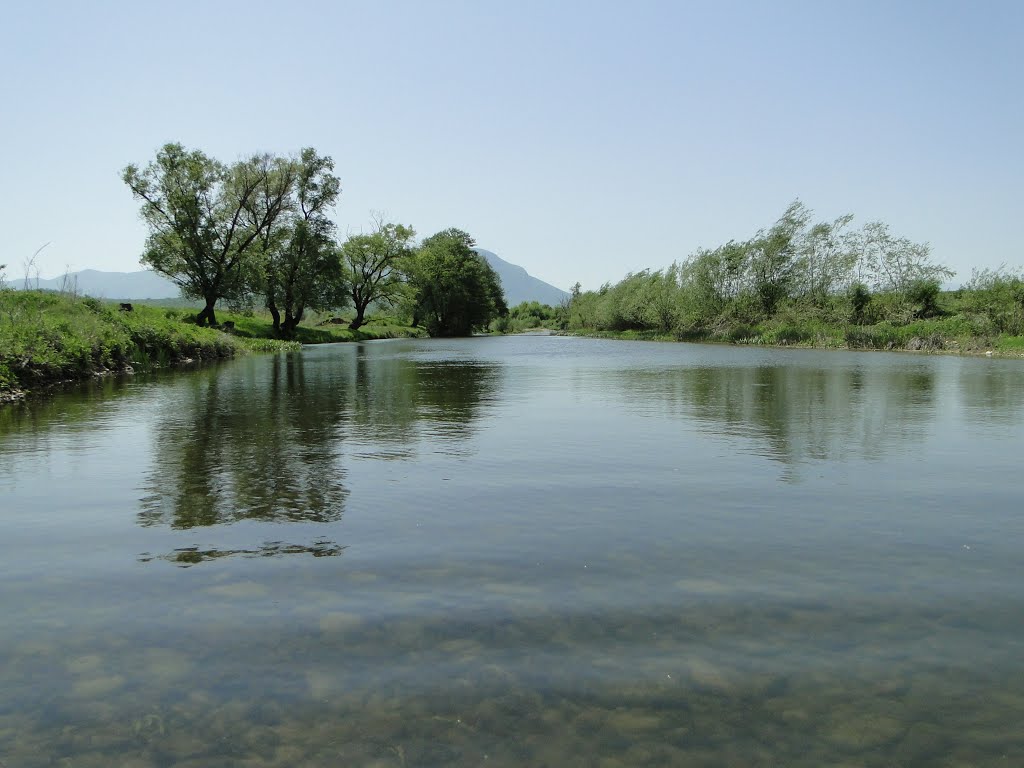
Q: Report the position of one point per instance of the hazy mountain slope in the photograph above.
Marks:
(519, 285)
(144, 284)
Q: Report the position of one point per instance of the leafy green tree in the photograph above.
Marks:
(452, 289)
(710, 280)
(299, 267)
(205, 218)
(664, 299)
(860, 297)
(772, 257)
(583, 307)
(529, 314)
(826, 260)
(999, 295)
(371, 263)
(923, 294)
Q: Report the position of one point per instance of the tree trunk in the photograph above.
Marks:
(207, 316)
(291, 322)
(360, 317)
(276, 314)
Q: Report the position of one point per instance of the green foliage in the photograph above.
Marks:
(892, 264)
(999, 295)
(645, 300)
(331, 330)
(452, 289)
(528, 315)
(860, 298)
(772, 258)
(371, 266)
(94, 304)
(47, 337)
(923, 294)
(825, 260)
(297, 266)
(1011, 344)
(206, 219)
(797, 282)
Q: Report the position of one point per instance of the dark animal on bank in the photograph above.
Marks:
(227, 325)
(125, 307)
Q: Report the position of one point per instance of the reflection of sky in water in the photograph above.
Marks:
(539, 549)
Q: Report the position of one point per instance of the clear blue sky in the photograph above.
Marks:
(582, 140)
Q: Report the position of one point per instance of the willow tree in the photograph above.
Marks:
(298, 266)
(370, 266)
(205, 218)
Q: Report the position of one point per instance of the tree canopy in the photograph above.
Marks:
(826, 271)
(371, 266)
(298, 266)
(205, 218)
(452, 289)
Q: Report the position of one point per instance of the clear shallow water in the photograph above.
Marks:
(518, 551)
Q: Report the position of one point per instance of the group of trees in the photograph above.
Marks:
(829, 268)
(532, 314)
(260, 227)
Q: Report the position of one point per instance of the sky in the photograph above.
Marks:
(580, 140)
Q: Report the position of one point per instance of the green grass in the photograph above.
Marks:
(958, 334)
(317, 329)
(48, 337)
(1011, 344)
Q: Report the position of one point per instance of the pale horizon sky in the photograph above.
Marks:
(580, 140)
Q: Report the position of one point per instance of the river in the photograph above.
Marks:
(535, 551)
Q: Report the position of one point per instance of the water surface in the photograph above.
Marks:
(518, 551)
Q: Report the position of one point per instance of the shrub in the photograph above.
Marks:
(923, 293)
(860, 297)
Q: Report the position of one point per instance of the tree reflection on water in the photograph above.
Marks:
(264, 441)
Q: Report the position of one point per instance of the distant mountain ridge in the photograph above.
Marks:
(519, 285)
(144, 284)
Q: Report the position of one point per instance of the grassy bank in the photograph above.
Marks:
(952, 335)
(320, 329)
(48, 338)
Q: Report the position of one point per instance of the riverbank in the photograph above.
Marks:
(939, 335)
(48, 339)
(329, 330)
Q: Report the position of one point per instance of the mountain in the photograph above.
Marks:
(519, 285)
(145, 284)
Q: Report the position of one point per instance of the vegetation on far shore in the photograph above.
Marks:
(256, 233)
(802, 283)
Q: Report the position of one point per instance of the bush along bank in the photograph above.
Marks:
(50, 338)
(800, 283)
(951, 335)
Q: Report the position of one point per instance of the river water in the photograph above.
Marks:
(534, 551)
